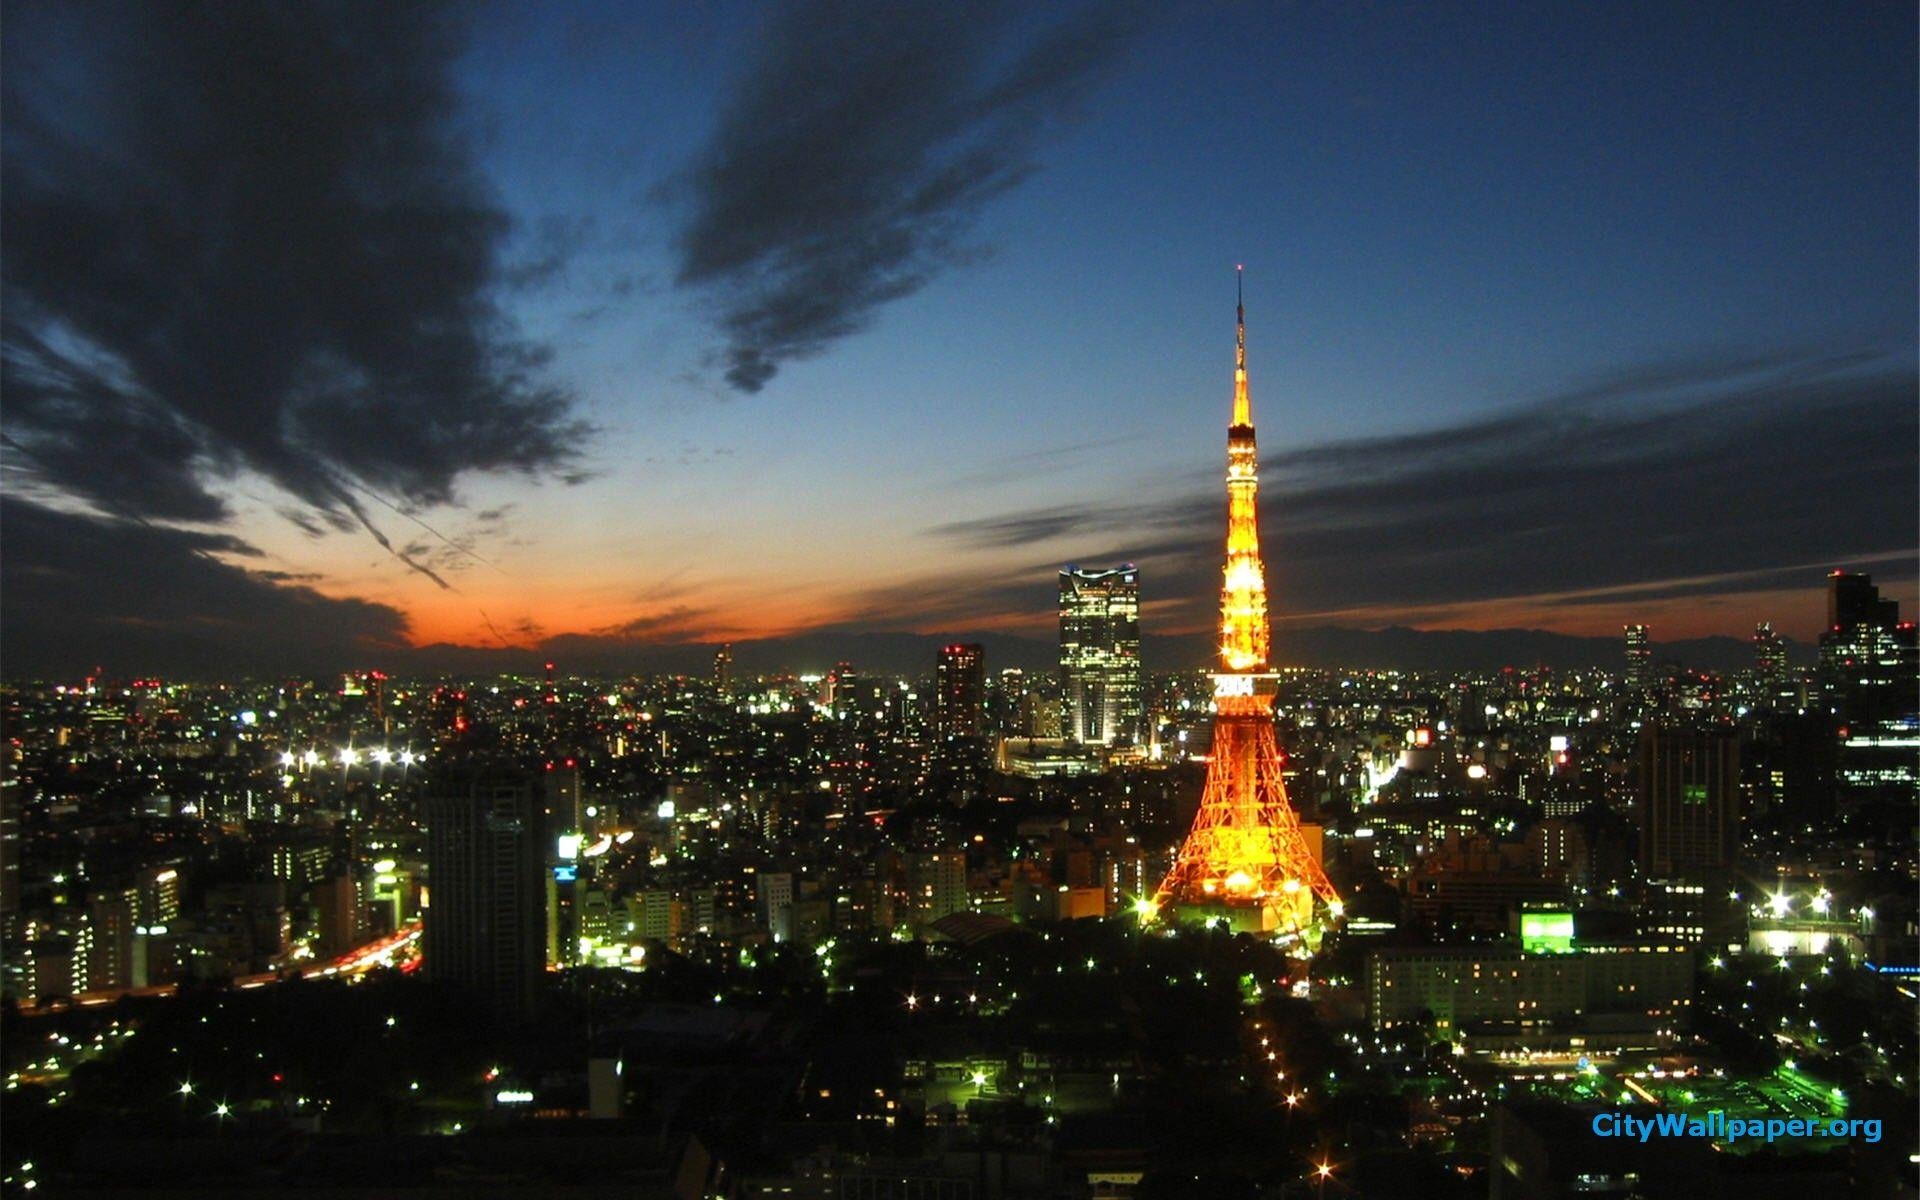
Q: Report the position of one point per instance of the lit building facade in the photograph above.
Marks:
(1457, 986)
(1870, 683)
(1100, 655)
(960, 692)
(1639, 658)
(1769, 660)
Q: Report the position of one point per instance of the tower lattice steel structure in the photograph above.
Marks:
(1246, 856)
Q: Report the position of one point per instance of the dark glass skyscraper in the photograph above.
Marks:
(486, 858)
(1769, 656)
(1100, 655)
(1689, 801)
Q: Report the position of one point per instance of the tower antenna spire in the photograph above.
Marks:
(1242, 406)
(1240, 316)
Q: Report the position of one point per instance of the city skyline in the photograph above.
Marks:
(1630, 369)
(646, 599)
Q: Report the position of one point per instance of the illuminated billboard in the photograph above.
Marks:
(1546, 932)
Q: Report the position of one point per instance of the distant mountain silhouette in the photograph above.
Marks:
(912, 654)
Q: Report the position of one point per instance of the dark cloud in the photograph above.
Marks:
(1737, 476)
(680, 620)
(248, 236)
(136, 598)
(855, 154)
(1020, 529)
(1023, 466)
(1761, 475)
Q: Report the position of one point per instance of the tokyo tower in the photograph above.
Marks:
(1246, 859)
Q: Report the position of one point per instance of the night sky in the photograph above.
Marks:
(335, 328)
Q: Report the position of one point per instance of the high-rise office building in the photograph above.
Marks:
(486, 864)
(10, 796)
(110, 941)
(1852, 599)
(937, 884)
(1769, 659)
(1689, 801)
(960, 692)
(337, 905)
(1100, 655)
(1639, 658)
(1870, 683)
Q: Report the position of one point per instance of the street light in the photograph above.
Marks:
(1322, 1172)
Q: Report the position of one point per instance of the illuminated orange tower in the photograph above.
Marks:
(1246, 857)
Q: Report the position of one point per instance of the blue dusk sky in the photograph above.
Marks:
(337, 330)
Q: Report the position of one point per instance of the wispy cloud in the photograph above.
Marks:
(850, 163)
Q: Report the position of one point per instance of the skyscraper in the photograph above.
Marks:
(1100, 655)
(1769, 657)
(1689, 800)
(1852, 600)
(1869, 680)
(960, 692)
(1639, 658)
(1246, 858)
(486, 860)
(9, 843)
